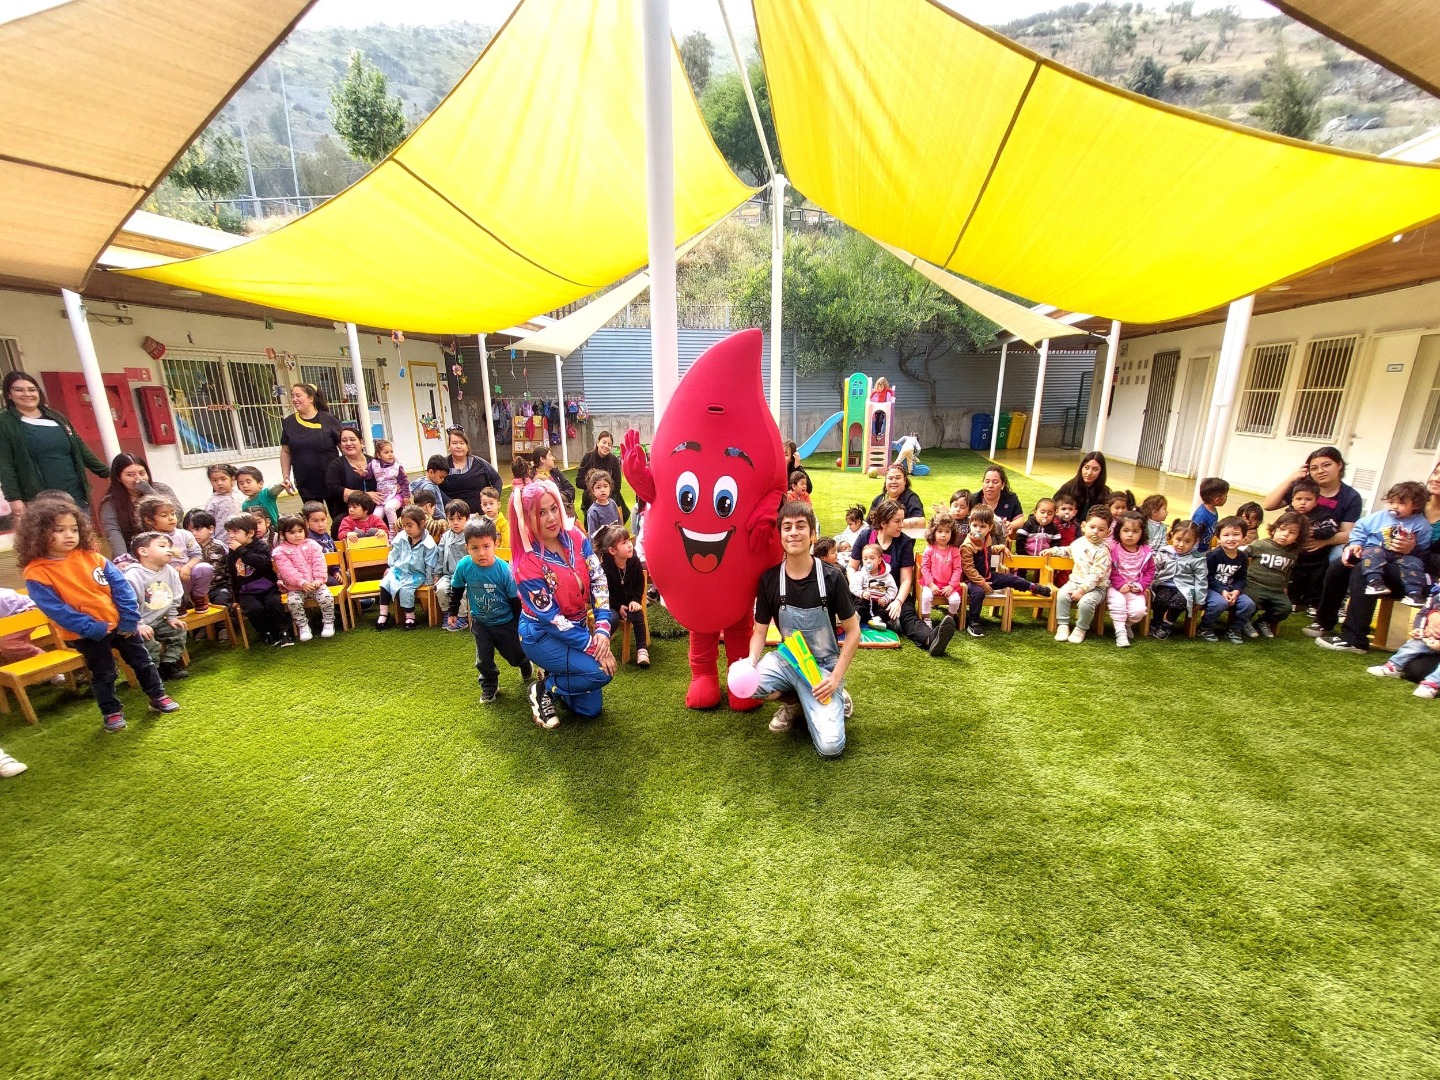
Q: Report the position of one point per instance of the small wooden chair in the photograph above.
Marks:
(1059, 564)
(1029, 601)
(363, 554)
(213, 616)
(627, 632)
(1141, 630)
(16, 677)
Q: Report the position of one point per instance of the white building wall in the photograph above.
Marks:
(36, 321)
(1390, 327)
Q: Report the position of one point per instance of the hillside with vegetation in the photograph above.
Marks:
(1234, 68)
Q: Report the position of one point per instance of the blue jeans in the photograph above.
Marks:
(826, 722)
(1241, 612)
(1409, 651)
(1386, 568)
(572, 675)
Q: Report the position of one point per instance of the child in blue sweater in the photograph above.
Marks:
(1213, 492)
(494, 608)
(1373, 538)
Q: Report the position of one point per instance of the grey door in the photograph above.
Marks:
(1157, 409)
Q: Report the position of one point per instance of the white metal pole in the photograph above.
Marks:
(1112, 351)
(560, 393)
(660, 192)
(1035, 415)
(1232, 348)
(90, 365)
(362, 403)
(777, 277)
(489, 408)
(999, 390)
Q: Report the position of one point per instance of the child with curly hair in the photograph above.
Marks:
(84, 594)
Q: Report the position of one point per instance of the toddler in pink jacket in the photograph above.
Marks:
(300, 567)
(1132, 569)
(942, 572)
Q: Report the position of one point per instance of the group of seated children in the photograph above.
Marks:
(1128, 558)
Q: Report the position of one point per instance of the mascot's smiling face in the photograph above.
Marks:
(715, 456)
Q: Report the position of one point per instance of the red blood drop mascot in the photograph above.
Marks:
(714, 482)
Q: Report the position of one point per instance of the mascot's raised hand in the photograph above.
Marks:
(716, 469)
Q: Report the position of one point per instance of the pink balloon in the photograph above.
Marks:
(742, 678)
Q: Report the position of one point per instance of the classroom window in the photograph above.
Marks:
(1321, 390)
(1260, 403)
(226, 405)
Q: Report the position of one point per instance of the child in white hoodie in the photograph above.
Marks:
(1088, 581)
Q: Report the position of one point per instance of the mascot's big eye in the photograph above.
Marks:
(687, 492)
(725, 494)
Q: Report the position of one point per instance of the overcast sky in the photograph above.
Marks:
(685, 14)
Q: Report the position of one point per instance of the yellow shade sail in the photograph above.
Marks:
(98, 98)
(942, 138)
(523, 191)
(1016, 318)
(563, 337)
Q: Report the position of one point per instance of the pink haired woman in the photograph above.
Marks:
(560, 582)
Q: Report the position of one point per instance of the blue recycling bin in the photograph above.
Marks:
(980, 426)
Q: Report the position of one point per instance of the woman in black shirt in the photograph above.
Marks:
(897, 487)
(469, 475)
(309, 441)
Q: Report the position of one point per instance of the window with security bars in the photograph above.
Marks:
(1260, 403)
(335, 379)
(1428, 438)
(1321, 390)
(226, 404)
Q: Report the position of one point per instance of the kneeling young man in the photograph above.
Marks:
(803, 593)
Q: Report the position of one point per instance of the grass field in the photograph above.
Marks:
(1033, 860)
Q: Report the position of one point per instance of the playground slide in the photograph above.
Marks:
(809, 446)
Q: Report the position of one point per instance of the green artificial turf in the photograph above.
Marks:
(1033, 860)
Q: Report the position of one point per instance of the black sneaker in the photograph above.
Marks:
(1266, 630)
(1160, 631)
(488, 696)
(527, 672)
(974, 629)
(1210, 636)
(1338, 644)
(1314, 630)
(1249, 631)
(1235, 637)
(542, 708)
(940, 640)
(1041, 590)
(170, 672)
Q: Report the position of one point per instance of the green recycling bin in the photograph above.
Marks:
(1016, 434)
(1002, 432)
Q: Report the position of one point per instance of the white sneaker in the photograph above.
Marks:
(1076, 636)
(1386, 670)
(328, 629)
(1062, 633)
(849, 703)
(302, 632)
(9, 766)
(1122, 639)
(784, 718)
(642, 657)
(1426, 690)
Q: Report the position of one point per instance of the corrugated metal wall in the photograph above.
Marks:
(616, 371)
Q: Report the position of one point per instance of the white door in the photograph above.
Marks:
(1373, 429)
(430, 418)
(1189, 410)
(1417, 436)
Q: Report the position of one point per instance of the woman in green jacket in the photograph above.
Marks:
(39, 449)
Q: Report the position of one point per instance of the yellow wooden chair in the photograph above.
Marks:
(363, 555)
(217, 615)
(1024, 601)
(17, 677)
